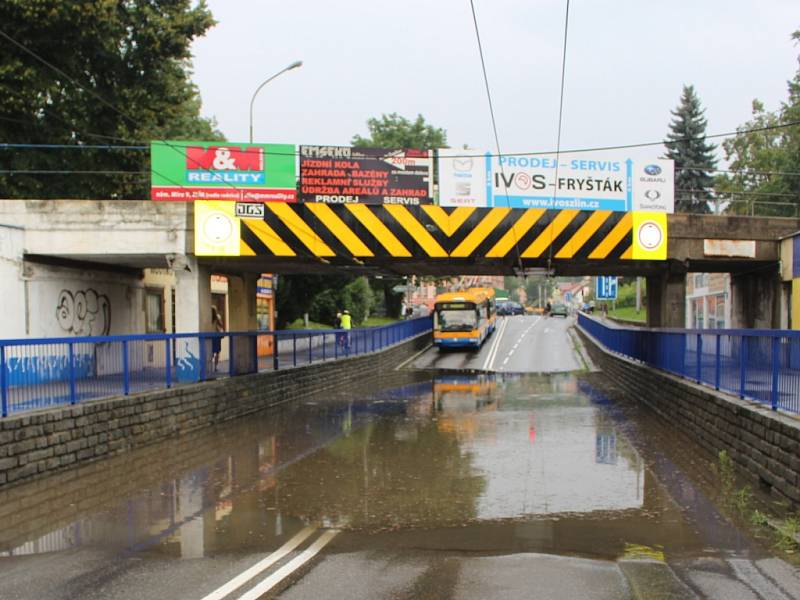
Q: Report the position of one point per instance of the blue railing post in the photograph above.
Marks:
(310, 355)
(3, 381)
(699, 348)
(373, 340)
(168, 362)
(324, 337)
(742, 365)
(202, 352)
(73, 396)
(275, 351)
(294, 349)
(776, 366)
(717, 362)
(126, 375)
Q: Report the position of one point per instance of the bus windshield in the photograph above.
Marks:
(456, 319)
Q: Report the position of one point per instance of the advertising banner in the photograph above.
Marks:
(221, 171)
(579, 181)
(344, 175)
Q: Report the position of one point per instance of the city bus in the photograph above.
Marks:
(464, 319)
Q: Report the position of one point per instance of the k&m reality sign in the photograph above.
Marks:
(222, 171)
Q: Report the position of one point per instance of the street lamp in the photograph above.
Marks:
(294, 65)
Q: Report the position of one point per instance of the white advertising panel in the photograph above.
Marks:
(462, 178)
(581, 181)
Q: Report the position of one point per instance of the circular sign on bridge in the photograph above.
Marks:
(650, 235)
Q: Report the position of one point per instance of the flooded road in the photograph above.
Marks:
(455, 479)
(438, 485)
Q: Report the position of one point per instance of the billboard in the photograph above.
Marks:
(580, 181)
(344, 175)
(183, 170)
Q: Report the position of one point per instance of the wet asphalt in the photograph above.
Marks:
(535, 479)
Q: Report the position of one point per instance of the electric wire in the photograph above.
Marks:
(494, 127)
(560, 122)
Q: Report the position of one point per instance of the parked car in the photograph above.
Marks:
(509, 307)
(559, 309)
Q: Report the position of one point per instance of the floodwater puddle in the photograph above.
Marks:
(483, 462)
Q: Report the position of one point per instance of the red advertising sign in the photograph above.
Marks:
(343, 175)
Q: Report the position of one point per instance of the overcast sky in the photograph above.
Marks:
(626, 63)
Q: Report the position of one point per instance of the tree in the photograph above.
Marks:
(693, 156)
(765, 164)
(394, 131)
(130, 59)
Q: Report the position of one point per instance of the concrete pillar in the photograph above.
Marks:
(666, 300)
(192, 298)
(756, 299)
(192, 314)
(242, 317)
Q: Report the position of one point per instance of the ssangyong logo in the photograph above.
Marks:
(652, 170)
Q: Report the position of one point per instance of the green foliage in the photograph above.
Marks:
(394, 131)
(296, 294)
(133, 54)
(726, 473)
(788, 531)
(766, 163)
(355, 296)
(693, 156)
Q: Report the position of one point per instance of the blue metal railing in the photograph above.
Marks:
(39, 373)
(758, 364)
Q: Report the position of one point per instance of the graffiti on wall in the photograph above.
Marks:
(30, 370)
(84, 312)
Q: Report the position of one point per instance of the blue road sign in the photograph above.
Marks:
(606, 288)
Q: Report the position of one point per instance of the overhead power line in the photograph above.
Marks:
(494, 122)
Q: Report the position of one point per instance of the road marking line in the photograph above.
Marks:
(287, 569)
(487, 365)
(260, 566)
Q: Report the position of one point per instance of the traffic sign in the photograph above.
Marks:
(606, 288)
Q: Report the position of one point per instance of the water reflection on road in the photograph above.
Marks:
(538, 453)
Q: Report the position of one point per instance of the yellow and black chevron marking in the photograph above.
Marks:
(364, 231)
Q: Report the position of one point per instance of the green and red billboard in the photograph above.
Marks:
(182, 170)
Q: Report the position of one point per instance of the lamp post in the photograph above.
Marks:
(294, 65)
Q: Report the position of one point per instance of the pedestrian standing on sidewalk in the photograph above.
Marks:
(347, 325)
(216, 342)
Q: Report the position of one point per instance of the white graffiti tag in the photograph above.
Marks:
(84, 313)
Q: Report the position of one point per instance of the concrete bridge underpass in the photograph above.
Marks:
(423, 240)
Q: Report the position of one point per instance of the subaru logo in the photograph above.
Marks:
(652, 170)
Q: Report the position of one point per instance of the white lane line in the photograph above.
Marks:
(287, 569)
(487, 365)
(260, 566)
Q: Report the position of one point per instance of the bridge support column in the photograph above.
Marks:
(666, 300)
(242, 317)
(756, 299)
(192, 298)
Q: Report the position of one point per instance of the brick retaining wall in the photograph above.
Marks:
(41, 443)
(764, 444)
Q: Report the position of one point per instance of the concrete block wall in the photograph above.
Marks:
(45, 442)
(765, 445)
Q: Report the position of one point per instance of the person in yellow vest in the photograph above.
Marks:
(347, 325)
